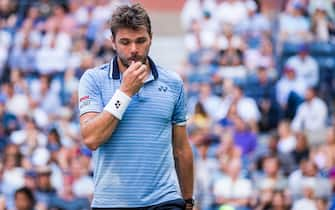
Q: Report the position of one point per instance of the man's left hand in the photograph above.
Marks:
(188, 207)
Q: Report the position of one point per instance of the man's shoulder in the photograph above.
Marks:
(103, 67)
(97, 72)
(169, 75)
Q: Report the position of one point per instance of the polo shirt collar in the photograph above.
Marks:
(114, 71)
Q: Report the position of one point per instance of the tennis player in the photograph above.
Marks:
(133, 115)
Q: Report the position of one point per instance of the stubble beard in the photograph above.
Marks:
(126, 62)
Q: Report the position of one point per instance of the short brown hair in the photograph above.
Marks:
(130, 16)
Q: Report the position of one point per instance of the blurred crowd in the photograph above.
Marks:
(45, 46)
(260, 80)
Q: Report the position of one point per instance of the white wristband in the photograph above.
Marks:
(118, 104)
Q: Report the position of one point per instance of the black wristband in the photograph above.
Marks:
(189, 201)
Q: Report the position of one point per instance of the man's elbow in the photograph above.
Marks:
(90, 143)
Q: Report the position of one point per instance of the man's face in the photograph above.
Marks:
(290, 75)
(22, 201)
(309, 94)
(303, 54)
(132, 45)
(2, 108)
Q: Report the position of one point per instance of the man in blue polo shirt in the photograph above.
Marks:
(133, 115)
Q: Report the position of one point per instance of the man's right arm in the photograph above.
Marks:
(97, 127)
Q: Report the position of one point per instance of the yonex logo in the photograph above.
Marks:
(117, 104)
(163, 88)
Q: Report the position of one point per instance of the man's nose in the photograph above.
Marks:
(133, 48)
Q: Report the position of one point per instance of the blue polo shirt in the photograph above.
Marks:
(135, 167)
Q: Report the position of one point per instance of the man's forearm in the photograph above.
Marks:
(184, 169)
(98, 129)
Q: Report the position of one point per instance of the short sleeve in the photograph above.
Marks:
(89, 94)
(179, 114)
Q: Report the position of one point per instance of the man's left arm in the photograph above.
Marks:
(183, 158)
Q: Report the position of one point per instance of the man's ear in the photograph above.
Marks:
(113, 43)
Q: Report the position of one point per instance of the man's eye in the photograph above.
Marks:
(141, 41)
(124, 42)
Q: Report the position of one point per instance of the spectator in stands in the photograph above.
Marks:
(82, 183)
(22, 57)
(209, 22)
(293, 26)
(301, 150)
(206, 165)
(79, 11)
(60, 19)
(264, 199)
(308, 169)
(68, 131)
(322, 25)
(273, 200)
(290, 91)
(210, 101)
(228, 40)
(255, 26)
(52, 57)
(199, 38)
(227, 87)
(46, 98)
(308, 201)
(45, 191)
(78, 52)
(17, 103)
(228, 150)
(271, 149)
(199, 42)
(5, 43)
(233, 190)
(230, 65)
(260, 56)
(232, 12)
(29, 137)
(305, 66)
(200, 118)
(34, 16)
(246, 107)
(45, 8)
(193, 10)
(244, 137)
(8, 120)
(24, 199)
(227, 121)
(21, 85)
(29, 31)
(262, 89)
(271, 176)
(197, 137)
(311, 117)
(287, 141)
(280, 200)
(328, 5)
(329, 148)
(323, 155)
(12, 173)
(30, 179)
